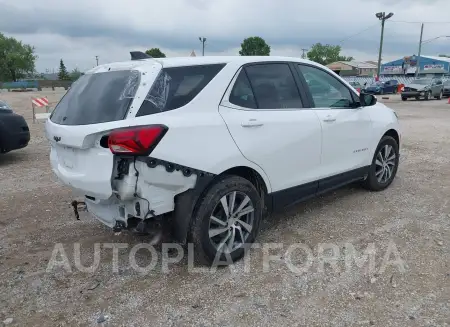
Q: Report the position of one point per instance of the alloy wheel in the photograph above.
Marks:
(231, 222)
(385, 164)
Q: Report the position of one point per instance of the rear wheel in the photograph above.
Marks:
(439, 96)
(384, 165)
(404, 98)
(226, 221)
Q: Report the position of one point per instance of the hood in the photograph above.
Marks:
(417, 86)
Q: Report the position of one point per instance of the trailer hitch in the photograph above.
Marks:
(75, 204)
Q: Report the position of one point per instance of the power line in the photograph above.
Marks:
(360, 32)
(408, 22)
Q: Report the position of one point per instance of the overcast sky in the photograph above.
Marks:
(78, 30)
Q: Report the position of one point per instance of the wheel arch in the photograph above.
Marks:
(187, 203)
(394, 134)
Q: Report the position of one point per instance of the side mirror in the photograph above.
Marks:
(367, 100)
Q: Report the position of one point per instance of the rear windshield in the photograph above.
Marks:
(97, 98)
(176, 87)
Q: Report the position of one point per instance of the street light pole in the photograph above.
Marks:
(383, 17)
(96, 59)
(203, 40)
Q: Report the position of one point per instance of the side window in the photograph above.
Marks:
(326, 90)
(242, 94)
(274, 86)
(175, 87)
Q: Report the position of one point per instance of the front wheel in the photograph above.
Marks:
(226, 221)
(439, 96)
(384, 165)
(428, 95)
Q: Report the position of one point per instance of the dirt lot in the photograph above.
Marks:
(409, 222)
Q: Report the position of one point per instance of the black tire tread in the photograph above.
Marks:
(371, 183)
(204, 206)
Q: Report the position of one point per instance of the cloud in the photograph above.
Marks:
(79, 30)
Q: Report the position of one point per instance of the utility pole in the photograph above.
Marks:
(203, 40)
(303, 54)
(383, 17)
(96, 59)
(420, 50)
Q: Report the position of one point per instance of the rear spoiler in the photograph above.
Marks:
(139, 55)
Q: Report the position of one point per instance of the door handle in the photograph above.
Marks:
(252, 123)
(329, 119)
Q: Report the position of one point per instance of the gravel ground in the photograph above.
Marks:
(408, 225)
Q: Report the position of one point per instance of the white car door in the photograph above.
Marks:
(265, 116)
(346, 126)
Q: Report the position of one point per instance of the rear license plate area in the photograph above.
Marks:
(67, 156)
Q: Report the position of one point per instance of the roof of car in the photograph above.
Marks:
(189, 61)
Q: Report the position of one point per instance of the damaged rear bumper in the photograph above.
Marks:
(145, 188)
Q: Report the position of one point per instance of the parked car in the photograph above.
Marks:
(446, 89)
(214, 143)
(14, 132)
(382, 87)
(423, 88)
(356, 85)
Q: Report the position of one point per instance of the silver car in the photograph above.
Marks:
(426, 88)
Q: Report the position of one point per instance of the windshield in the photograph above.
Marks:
(97, 98)
(421, 81)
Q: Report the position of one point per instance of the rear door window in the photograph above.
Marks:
(175, 87)
(274, 86)
(97, 98)
(242, 93)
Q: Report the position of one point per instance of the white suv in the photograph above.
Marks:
(213, 143)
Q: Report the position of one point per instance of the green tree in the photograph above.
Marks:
(17, 60)
(63, 75)
(75, 74)
(254, 46)
(326, 54)
(155, 53)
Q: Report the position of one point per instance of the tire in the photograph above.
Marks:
(404, 99)
(417, 98)
(395, 91)
(375, 181)
(440, 96)
(381, 92)
(208, 250)
(428, 95)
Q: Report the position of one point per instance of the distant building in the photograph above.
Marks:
(428, 65)
(353, 68)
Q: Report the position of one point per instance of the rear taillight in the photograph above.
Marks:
(136, 140)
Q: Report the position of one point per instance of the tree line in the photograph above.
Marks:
(17, 60)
